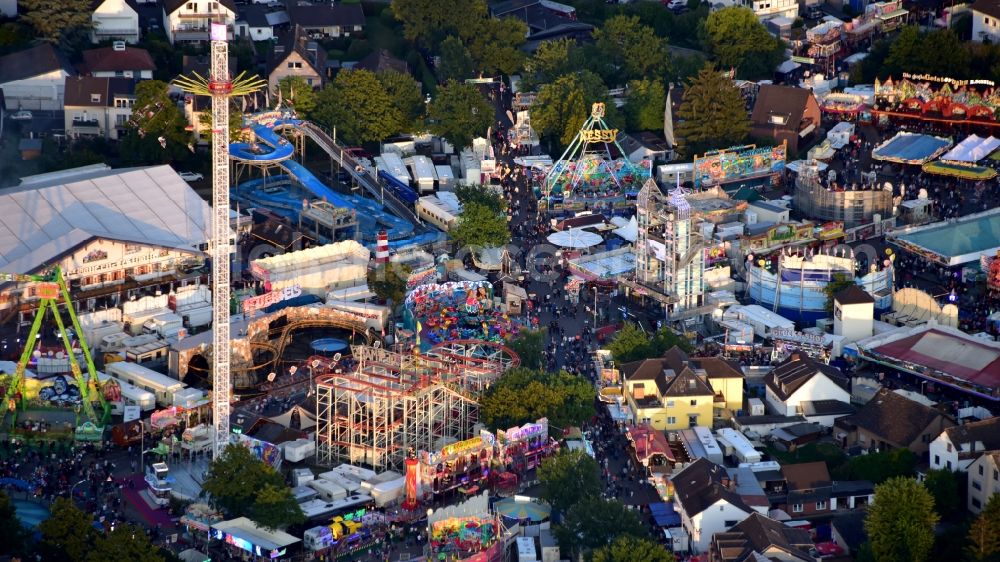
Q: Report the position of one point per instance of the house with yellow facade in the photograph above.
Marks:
(677, 392)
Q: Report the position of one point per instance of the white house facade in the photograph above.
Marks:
(189, 20)
(773, 8)
(800, 379)
(34, 79)
(986, 21)
(115, 19)
(957, 447)
(716, 518)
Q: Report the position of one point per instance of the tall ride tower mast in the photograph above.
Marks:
(220, 87)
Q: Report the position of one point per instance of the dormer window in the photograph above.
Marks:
(95, 98)
(778, 119)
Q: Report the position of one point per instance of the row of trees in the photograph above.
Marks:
(524, 395)
(572, 486)
(938, 53)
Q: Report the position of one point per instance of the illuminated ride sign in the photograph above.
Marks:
(461, 447)
(267, 299)
(738, 163)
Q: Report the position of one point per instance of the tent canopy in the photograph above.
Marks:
(972, 149)
(629, 231)
(575, 238)
(307, 419)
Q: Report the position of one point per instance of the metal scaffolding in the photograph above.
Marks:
(395, 402)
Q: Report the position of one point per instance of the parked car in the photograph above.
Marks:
(21, 116)
(191, 176)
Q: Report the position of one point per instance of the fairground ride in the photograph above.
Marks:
(51, 289)
(220, 87)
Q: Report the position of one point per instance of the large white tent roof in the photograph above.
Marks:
(48, 216)
(575, 238)
(972, 149)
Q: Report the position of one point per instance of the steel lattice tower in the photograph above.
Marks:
(220, 87)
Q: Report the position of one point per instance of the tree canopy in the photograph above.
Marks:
(878, 467)
(388, 281)
(739, 40)
(529, 345)
(426, 22)
(944, 487)
(901, 521)
(495, 44)
(484, 195)
(984, 533)
(68, 533)
(480, 227)
(156, 130)
(593, 522)
(564, 104)
(633, 49)
(837, 283)
(456, 62)
(712, 115)
(405, 95)
(631, 343)
(523, 395)
(358, 105)
(298, 93)
(551, 60)
(459, 113)
(245, 486)
(125, 542)
(939, 53)
(12, 534)
(568, 478)
(644, 105)
(54, 19)
(628, 548)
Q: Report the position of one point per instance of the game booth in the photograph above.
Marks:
(462, 467)
(523, 448)
(937, 99)
(470, 539)
(460, 310)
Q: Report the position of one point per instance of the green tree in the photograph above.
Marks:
(276, 508)
(563, 105)
(68, 534)
(567, 478)
(984, 534)
(388, 282)
(54, 19)
(405, 95)
(901, 521)
(495, 45)
(483, 195)
(878, 467)
(944, 487)
(297, 93)
(593, 522)
(357, 104)
(235, 479)
(551, 60)
(633, 49)
(156, 130)
(644, 105)
(524, 395)
(480, 227)
(837, 283)
(458, 113)
(529, 345)
(631, 343)
(456, 62)
(632, 549)
(712, 114)
(426, 22)
(126, 542)
(738, 40)
(12, 534)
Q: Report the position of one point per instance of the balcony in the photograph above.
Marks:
(194, 33)
(87, 127)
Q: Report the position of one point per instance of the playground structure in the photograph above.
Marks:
(286, 186)
(590, 175)
(52, 290)
(396, 402)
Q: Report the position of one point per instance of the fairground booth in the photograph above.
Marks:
(941, 101)
(246, 539)
(740, 166)
(461, 467)
(465, 532)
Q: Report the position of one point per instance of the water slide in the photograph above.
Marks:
(276, 149)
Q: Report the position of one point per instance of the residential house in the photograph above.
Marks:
(984, 480)
(957, 447)
(115, 19)
(795, 384)
(546, 20)
(98, 107)
(786, 114)
(848, 532)
(258, 23)
(705, 499)
(34, 78)
(725, 377)
(853, 314)
(381, 60)
(329, 20)
(892, 421)
(767, 9)
(808, 489)
(296, 55)
(188, 20)
(986, 21)
(118, 61)
(645, 146)
(759, 537)
(666, 393)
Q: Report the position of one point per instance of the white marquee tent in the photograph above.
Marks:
(972, 149)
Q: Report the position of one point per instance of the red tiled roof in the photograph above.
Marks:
(962, 358)
(107, 59)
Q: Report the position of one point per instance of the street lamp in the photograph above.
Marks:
(595, 307)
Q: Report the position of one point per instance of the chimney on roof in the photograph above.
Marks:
(725, 482)
(796, 357)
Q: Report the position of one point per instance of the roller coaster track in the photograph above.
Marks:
(288, 329)
(347, 163)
